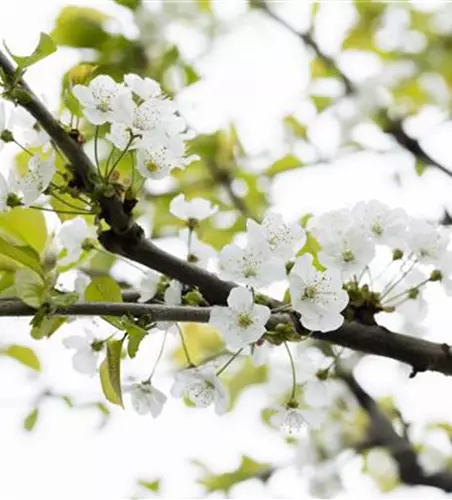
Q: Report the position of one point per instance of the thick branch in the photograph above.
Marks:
(393, 128)
(382, 433)
(126, 238)
(157, 312)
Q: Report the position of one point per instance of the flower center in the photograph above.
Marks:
(103, 105)
(348, 256)
(293, 421)
(201, 393)
(244, 320)
(310, 292)
(377, 229)
(151, 166)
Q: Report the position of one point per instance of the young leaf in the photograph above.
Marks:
(31, 419)
(25, 255)
(247, 469)
(103, 289)
(150, 485)
(25, 226)
(47, 326)
(24, 355)
(44, 48)
(288, 162)
(135, 335)
(110, 373)
(30, 288)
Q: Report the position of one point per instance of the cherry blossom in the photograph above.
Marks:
(146, 398)
(280, 237)
(148, 286)
(36, 180)
(195, 209)
(242, 322)
(74, 235)
(87, 350)
(252, 265)
(317, 296)
(202, 387)
(144, 88)
(104, 100)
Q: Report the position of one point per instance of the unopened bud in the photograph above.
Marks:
(397, 254)
(436, 275)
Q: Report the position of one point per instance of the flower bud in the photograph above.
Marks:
(397, 254)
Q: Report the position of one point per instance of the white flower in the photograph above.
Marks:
(151, 121)
(36, 180)
(280, 237)
(294, 420)
(202, 387)
(251, 265)
(146, 398)
(73, 235)
(260, 352)
(317, 296)
(195, 209)
(426, 241)
(350, 253)
(411, 304)
(381, 465)
(324, 480)
(444, 266)
(171, 297)
(87, 351)
(200, 253)
(173, 294)
(431, 459)
(81, 283)
(384, 225)
(243, 321)
(142, 87)
(104, 100)
(148, 286)
(157, 162)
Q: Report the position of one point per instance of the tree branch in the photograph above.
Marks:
(15, 308)
(394, 128)
(382, 433)
(126, 238)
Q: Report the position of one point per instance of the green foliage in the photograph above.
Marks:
(285, 164)
(135, 336)
(23, 354)
(24, 255)
(110, 373)
(103, 289)
(130, 4)
(81, 27)
(30, 288)
(248, 469)
(202, 342)
(24, 226)
(31, 419)
(44, 48)
(47, 326)
(420, 167)
(153, 486)
(247, 375)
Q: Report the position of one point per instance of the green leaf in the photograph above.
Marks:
(48, 325)
(24, 255)
(110, 373)
(31, 419)
(313, 247)
(296, 127)
(150, 485)
(30, 287)
(129, 4)
(247, 469)
(24, 226)
(80, 27)
(24, 355)
(249, 374)
(135, 335)
(103, 289)
(285, 164)
(420, 167)
(321, 102)
(205, 5)
(44, 48)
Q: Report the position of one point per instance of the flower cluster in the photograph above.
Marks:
(141, 119)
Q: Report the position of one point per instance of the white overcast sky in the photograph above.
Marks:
(256, 77)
